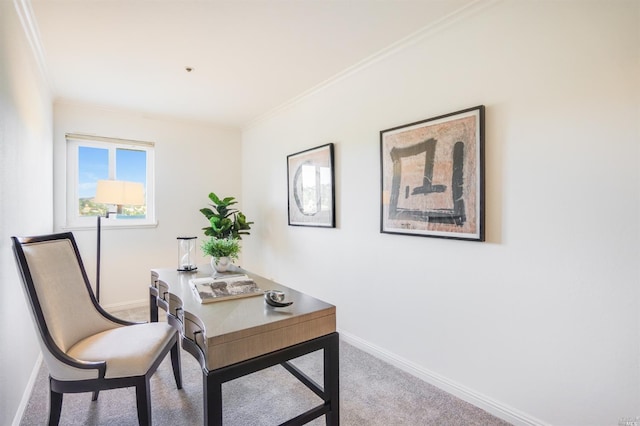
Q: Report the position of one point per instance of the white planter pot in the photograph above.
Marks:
(220, 264)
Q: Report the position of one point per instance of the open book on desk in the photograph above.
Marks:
(224, 287)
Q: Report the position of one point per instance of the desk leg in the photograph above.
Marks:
(212, 399)
(332, 380)
(330, 393)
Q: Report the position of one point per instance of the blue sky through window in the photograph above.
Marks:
(93, 165)
(131, 165)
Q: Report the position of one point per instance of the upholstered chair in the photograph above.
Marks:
(85, 348)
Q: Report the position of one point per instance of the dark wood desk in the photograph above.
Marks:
(237, 337)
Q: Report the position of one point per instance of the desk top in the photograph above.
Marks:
(238, 329)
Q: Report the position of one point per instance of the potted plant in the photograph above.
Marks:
(226, 227)
(223, 251)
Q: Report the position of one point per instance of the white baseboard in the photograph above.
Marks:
(27, 392)
(490, 405)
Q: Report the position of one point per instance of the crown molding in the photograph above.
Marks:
(30, 27)
(464, 12)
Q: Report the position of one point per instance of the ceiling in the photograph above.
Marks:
(248, 56)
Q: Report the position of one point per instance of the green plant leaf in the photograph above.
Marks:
(207, 212)
(213, 197)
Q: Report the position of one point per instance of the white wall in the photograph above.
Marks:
(191, 160)
(540, 323)
(26, 203)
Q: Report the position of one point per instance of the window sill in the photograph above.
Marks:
(104, 226)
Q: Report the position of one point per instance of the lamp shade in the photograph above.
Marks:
(120, 192)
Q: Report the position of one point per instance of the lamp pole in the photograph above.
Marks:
(98, 262)
(98, 255)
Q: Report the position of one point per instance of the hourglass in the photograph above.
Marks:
(186, 253)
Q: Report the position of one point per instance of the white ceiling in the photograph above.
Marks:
(248, 56)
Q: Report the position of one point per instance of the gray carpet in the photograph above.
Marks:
(372, 393)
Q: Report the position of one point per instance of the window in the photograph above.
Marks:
(93, 158)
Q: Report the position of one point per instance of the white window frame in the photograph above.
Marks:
(74, 220)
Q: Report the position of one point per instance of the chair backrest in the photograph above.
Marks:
(58, 290)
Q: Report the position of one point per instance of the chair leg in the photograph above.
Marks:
(175, 363)
(94, 397)
(143, 402)
(55, 407)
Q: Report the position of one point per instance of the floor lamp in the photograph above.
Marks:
(120, 193)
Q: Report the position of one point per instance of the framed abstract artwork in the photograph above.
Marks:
(311, 187)
(433, 177)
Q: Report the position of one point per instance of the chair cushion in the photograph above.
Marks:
(128, 350)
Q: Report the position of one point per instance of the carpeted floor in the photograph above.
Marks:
(372, 393)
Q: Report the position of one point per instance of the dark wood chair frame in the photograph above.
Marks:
(59, 387)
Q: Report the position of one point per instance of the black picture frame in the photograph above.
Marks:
(311, 187)
(432, 177)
